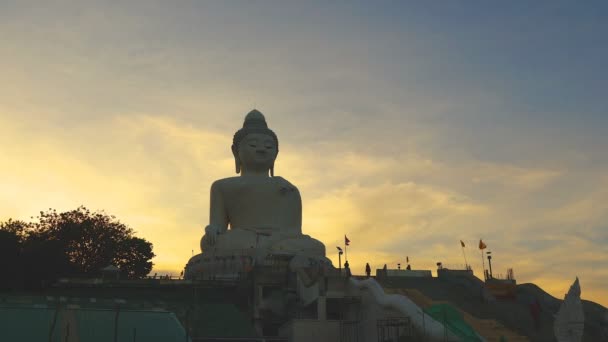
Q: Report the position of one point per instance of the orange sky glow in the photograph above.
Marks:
(398, 133)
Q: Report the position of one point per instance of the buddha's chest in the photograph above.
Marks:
(252, 204)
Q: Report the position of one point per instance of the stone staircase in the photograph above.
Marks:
(492, 330)
(489, 329)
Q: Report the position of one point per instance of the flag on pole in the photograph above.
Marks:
(466, 264)
(407, 259)
(482, 245)
(346, 241)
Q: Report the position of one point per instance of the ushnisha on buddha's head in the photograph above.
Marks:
(255, 146)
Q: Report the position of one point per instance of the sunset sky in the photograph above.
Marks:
(407, 126)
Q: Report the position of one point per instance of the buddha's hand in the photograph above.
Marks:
(211, 234)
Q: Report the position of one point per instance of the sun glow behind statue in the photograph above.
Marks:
(409, 131)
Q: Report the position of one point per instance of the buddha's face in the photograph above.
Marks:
(257, 152)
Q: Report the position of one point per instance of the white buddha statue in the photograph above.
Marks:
(256, 213)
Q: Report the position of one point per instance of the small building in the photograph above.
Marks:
(504, 288)
(450, 273)
(390, 273)
(110, 272)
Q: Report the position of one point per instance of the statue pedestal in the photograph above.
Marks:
(238, 250)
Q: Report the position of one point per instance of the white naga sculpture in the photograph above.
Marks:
(569, 322)
(256, 213)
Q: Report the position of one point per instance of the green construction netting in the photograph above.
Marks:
(32, 323)
(452, 318)
(223, 320)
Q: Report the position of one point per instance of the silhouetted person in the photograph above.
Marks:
(347, 268)
(368, 270)
(409, 268)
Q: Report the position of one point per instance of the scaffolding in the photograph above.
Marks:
(394, 329)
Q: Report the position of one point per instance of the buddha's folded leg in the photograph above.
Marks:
(302, 244)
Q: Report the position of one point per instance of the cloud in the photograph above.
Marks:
(154, 172)
(393, 137)
(387, 214)
(145, 170)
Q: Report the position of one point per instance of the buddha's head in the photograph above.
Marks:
(255, 146)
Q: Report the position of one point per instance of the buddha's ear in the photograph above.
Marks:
(272, 166)
(237, 161)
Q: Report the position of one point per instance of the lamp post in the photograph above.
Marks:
(340, 252)
(490, 262)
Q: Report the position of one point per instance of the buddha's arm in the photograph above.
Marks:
(298, 218)
(218, 217)
(294, 221)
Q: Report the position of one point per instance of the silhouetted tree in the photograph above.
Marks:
(43, 261)
(9, 258)
(16, 227)
(77, 243)
(94, 240)
(133, 257)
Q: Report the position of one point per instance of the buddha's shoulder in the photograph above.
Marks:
(234, 183)
(227, 180)
(225, 183)
(283, 182)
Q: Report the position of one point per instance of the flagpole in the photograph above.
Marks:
(346, 254)
(483, 264)
(482, 246)
(465, 258)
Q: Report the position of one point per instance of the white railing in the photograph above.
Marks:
(425, 323)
